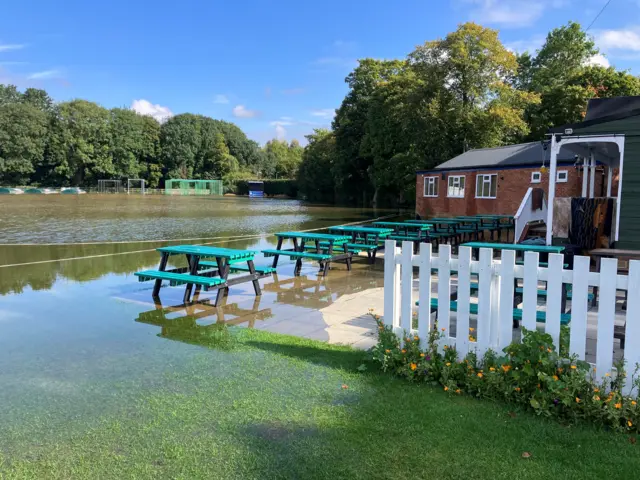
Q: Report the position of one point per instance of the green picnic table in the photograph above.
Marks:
(324, 244)
(212, 275)
(518, 247)
(364, 238)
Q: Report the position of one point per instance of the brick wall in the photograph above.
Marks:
(511, 188)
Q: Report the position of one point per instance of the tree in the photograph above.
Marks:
(315, 180)
(39, 99)
(180, 143)
(9, 94)
(23, 133)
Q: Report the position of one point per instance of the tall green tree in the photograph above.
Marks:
(315, 179)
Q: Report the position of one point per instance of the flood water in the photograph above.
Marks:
(74, 321)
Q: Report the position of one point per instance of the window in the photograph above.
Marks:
(562, 176)
(536, 177)
(430, 186)
(486, 186)
(456, 186)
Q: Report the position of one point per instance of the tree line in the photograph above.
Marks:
(450, 95)
(79, 142)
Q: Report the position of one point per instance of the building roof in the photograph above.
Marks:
(508, 156)
(602, 110)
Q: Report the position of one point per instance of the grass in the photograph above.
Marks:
(273, 406)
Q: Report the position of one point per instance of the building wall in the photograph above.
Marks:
(511, 187)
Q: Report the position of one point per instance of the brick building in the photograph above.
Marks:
(495, 180)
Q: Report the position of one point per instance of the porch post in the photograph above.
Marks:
(592, 179)
(609, 179)
(619, 206)
(585, 176)
(552, 187)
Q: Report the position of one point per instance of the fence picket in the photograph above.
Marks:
(464, 297)
(554, 296)
(406, 287)
(391, 285)
(444, 290)
(505, 317)
(530, 290)
(606, 316)
(632, 327)
(424, 293)
(579, 306)
(484, 299)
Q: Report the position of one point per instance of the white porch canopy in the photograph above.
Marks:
(605, 149)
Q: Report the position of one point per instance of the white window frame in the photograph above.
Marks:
(460, 189)
(484, 177)
(536, 177)
(428, 181)
(563, 173)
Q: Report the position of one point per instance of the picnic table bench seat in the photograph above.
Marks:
(259, 269)
(352, 247)
(293, 254)
(541, 316)
(179, 278)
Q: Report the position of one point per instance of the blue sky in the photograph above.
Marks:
(274, 68)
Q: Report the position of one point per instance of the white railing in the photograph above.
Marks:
(495, 299)
(526, 214)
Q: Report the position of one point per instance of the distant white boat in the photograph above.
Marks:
(10, 191)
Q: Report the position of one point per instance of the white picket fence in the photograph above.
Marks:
(495, 297)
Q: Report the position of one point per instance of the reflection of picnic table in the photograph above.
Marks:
(324, 244)
(212, 275)
(364, 238)
(187, 329)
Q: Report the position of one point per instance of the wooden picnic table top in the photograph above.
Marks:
(346, 228)
(313, 236)
(204, 251)
(417, 226)
(516, 246)
(614, 253)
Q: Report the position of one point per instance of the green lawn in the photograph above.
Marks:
(275, 407)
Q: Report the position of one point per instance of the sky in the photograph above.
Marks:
(276, 69)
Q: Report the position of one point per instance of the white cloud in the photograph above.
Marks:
(281, 132)
(510, 13)
(326, 113)
(44, 75)
(281, 123)
(627, 39)
(599, 60)
(239, 111)
(222, 99)
(145, 107)
(530, 45)
(8, 46)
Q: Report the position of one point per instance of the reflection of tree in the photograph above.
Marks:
(318, 293)
(213, 334)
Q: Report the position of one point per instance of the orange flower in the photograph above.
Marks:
(387, 351)
(446, 347)
(446, 388)
(404, 351)
(629, 423)
(472, 329)
(573, 367)
(549, 350)
(517, 389)
(618, 405)
(538, 385)
(422, 355)
(596, 390)
(443, 329)
(633, 402)
(555, 377)
(407, 339)
(345, 386)
(416, 338)
(607, 374)
(492, 369)
(560, 370)
(577, 400)
(506, 368)
(448, 364)
(596, 398)
(413, 366)
(480, 374)
(458, 392)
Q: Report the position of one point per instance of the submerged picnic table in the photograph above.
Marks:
(323, 244)
(212, 275)
(364, 238)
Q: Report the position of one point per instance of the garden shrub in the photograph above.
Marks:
(532, 374)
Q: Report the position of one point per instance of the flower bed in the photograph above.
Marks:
(532, 374)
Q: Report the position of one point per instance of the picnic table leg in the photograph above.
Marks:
(193, 261)
(298, 267)
(158, 283)
(256, 283)
(346, 251)
(223, 271)
(275, 257)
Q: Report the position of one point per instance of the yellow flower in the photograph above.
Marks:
(577, 400)
(458, 392)
(387, 351)
(448, 364)
(573, 367)
(472, 338)
(596, 390)
(607, 374)
(629, 423)
(633, 402)
(422, 355)
(618, 405)
(404, 351)
(413, 366)
(416, 338)
(480, 374)
(555, 377)
(472, 329)
(596, 398)
(506, 368)
(492, 369)
(446, 347)
(446, 388)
